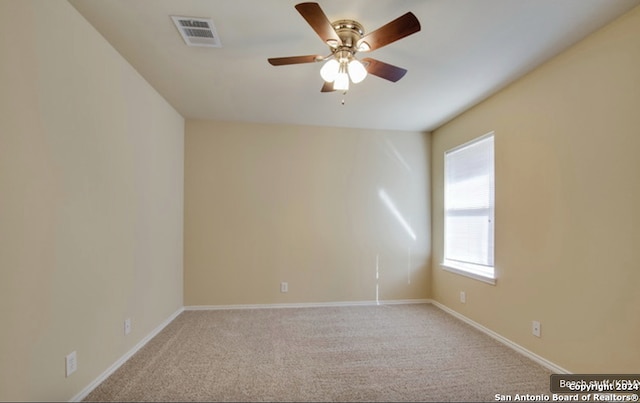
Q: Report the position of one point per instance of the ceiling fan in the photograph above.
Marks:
(345, 38)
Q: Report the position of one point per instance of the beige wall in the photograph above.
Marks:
(91, 185)
(307, 205)
(567, 199)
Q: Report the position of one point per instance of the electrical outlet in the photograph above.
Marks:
(463, 297)
(284, 287)
(127, 326)
(71, 363)
(535, 328)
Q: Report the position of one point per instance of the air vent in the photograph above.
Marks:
(197, 31)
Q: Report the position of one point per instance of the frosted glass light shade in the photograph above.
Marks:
(329, 71)
(342, 82)
(357, 72)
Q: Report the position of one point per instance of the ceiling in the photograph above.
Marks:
(466, 51)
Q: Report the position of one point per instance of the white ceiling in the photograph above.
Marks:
(466, 50)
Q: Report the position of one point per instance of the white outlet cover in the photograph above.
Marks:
(127, 326)
(71, 363)
(284, 287)
(463, 297)
(535, 328)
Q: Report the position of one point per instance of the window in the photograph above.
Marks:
(469, 209)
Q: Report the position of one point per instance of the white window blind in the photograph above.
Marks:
(469, 207)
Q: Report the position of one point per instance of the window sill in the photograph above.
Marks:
(451, 267)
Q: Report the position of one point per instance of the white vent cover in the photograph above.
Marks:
(197, 31)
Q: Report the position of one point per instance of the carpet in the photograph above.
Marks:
(348, 354)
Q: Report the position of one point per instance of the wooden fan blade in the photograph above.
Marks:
(327, 87)
(319, 22)
(280, 61)
(383, 70)
(397, 29)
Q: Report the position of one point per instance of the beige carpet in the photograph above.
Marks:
(360, 353)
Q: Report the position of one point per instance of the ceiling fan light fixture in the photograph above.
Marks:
(330, 70)
(357, 71)
(342, 79)
(345, 38)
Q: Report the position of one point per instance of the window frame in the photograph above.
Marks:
(471, 270)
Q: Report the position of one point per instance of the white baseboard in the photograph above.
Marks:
(85, 392)
(305, 305)
(540, 360)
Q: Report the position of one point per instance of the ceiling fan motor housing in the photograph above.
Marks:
(350, 32)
